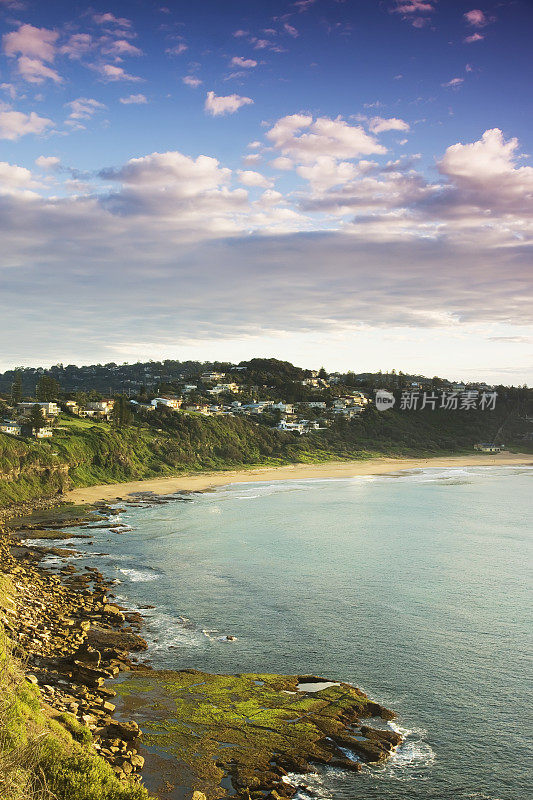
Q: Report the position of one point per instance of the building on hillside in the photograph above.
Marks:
(10, 427)
(315, 404)
(38, 433)
(72, 407)
(169, 402)
(101, 406)
(48, 409)
(285, 408)
(189, 387)
(294, 427)
(487, 447)
(212, 377)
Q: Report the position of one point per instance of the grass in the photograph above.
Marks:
(43, 757)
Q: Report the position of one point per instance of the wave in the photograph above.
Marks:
(139, 575)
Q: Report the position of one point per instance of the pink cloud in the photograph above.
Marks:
(31, 41)
(476, 18)
(474, 37)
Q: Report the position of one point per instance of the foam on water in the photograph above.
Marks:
(139, 575)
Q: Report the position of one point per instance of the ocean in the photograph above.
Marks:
(414, 586)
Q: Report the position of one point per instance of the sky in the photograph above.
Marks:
(346, 183)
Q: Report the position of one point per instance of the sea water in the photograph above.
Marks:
(412, 586)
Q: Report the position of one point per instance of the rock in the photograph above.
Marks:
(129, 731)
(137, 761)
(32, 679)
(198, 796)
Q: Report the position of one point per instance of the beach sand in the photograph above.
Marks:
(331, 469)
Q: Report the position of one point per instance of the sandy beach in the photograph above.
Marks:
(332, 469)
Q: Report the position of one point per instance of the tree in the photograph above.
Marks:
(47, 389)
(122, 415)
(37, 420)
(16, 388)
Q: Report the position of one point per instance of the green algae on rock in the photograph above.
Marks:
(241, 734)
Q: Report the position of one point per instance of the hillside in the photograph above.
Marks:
(83, 454)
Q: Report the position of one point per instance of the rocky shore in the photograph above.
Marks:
(71, 638)
(255, 729)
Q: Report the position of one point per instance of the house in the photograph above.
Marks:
(315, 404)
(212, 377)
(72, 407)
(189, 387)
(38, 433)
(47, 409)
(13, 428)
(169, 402)
(487, 447)
(295, 427)
(101, 406)
(312, 382)
(285, 408)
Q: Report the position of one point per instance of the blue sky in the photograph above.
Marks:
(338, 182)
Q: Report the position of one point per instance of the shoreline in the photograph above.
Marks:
(327, 470)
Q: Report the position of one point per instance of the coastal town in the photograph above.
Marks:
(274, 393)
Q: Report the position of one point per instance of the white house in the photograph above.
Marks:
(285, 408)
(189, 387)
(13, 428)
(42, 433)
(168, 402)
(295, 427)
(486, 447)
(72, 407)
(315, 404)
(47, 409)
(101, 406)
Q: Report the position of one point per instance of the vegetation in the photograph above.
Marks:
(164, 442)
(43, 757)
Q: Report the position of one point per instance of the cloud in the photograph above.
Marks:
(48, 163)
(303, 5)
(379, 124)
(110, 73)
(474, 37)
(454, 83)
(30, 41)
(282, 163)
(323, 136)
(250, 178)
(15, 180)
(78, 45)
(110, 19)
(133, 99)
(14, 124)
(413, 7)
(121, 47)
(291, 30)
(83, 107)
(476, 18)
(246, 63)
(34, 71)
(487, 173)
(192, 81)
(218, 105)
(177, 49)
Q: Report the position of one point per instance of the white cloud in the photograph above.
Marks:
(133, 99)
(454, 83)
(78, 45)
(291, 30)
(15, 180)
(110, 19)
(250, 178)
(120, 48)
(30, 41)
(14, 124)
(177, 49)
(48, 163)
(282, 163)
(327, 172)
(111, 73)
(192, 81)
(474, 37)
(83, 107)
(34, 71)
(323, 136)
(217, 105)
(379, 124)
(246, 63)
